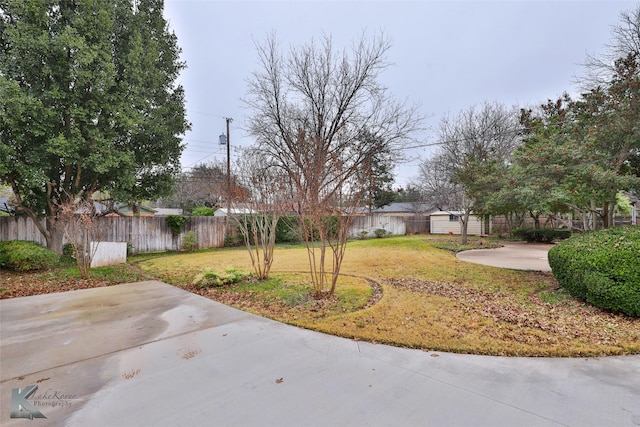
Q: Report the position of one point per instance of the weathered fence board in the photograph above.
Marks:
(369, 223)
(418, 224)
(152, 234)
(19, 228)
(143, 234)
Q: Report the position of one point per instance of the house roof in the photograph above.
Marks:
(168, 211)
(223, 211)
(119, 208)
(5, 206)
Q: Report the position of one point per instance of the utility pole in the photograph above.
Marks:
(228, 120)
(226, 140)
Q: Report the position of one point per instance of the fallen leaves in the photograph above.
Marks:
(15, 284)
(188, 354)
(132, 373)
(531, 321)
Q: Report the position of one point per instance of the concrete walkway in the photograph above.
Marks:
(514, 255)
(150, 354)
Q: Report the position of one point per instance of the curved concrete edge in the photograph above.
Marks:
(208, 364)
(515, 256)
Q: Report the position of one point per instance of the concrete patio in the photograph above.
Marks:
(150, 354)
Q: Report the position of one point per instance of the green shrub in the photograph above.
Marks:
(189, 242)
(209, 278)
(380, 232)
(176, 223)
(203, 211)
(541, 235)
(330, 224)
(602, 268)
(67, 258)
(287, 230)
(26, 256)
(233, 240)
(67, 249)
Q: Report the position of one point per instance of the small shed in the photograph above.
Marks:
(445, 222)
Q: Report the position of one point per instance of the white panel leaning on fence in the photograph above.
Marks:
(108, 253)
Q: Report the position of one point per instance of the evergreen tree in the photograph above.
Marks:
(88, 102)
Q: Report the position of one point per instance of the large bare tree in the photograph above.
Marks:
(476, 147)
(310, 109)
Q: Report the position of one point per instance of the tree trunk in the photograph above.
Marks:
(51, 230)
(55, 235)
(536, 220)
(605, 216)
(465, 223)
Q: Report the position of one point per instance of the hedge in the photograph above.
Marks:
(541, 235)
(26, 256)
(602, 268)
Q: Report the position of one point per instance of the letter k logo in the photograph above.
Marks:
(21, 407)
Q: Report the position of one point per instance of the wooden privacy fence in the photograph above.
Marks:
(419, 224)
(152, 234)
(143, 234)
(369, 223)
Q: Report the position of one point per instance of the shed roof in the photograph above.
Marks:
(404, 207)
(447, 213)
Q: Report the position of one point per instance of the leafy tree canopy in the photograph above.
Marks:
(88, 102)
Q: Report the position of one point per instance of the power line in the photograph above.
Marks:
(206, 114)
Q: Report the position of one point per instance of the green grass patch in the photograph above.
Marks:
(555, 296)
(209, 277)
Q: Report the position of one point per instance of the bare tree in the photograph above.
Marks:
(437, 186)
(310, 109)
(625, 43)
(476, 147)
(83, 231)
(257, 214)
(204, 185)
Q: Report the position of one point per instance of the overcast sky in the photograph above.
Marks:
(447, 55)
